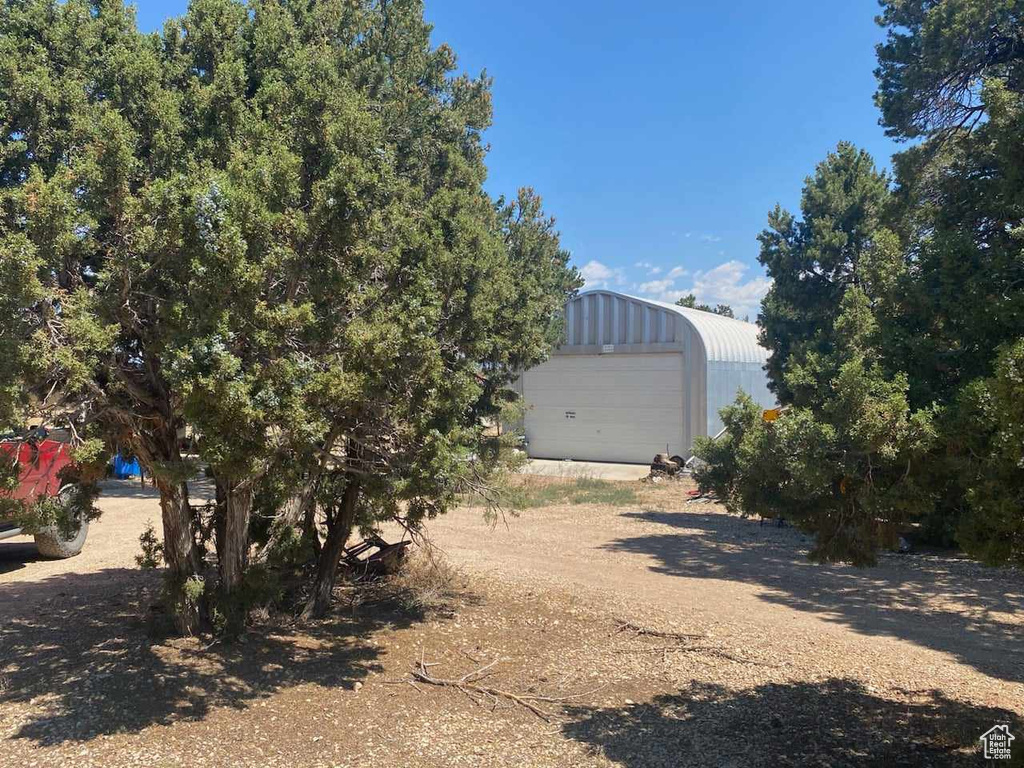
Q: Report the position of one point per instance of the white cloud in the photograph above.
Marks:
(654, 271)
(710, 238)
(656, 286)
(724, 284)
(643, 265)
(678, 272)
(598, 275)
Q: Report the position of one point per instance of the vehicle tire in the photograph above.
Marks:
(51, 541)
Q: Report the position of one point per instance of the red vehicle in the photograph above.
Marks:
(41, 464)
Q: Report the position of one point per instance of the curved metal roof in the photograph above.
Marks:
(725, 339)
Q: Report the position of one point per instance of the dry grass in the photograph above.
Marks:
(519, 492)
(428, 583)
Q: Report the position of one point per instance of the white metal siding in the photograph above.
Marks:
(724, 382)
(612, 407)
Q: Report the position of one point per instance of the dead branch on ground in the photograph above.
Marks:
(682, 645)
(706, 650)
(639, 631)
(469, 684)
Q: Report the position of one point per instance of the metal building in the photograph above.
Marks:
(637, 377)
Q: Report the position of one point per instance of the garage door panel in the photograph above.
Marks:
(603, 400)
(605, 407)
(594, 418)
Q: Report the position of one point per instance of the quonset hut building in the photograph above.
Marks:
(636, 377)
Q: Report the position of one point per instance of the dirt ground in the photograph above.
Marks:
(737, 653)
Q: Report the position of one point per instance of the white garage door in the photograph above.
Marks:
(605, 407)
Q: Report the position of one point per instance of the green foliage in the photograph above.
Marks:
(19, 288)
(194, 588)
(994, 438)
(66, 512)
(950, 72)
(152, 549)
(290, 550)
(895, 317)
(813, 261)
(719, 469)
(841, 465)
(266, 222)
(185, 595)
(936, 58)
(689, 300)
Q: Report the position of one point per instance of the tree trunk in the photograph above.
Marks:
(301, 507)
(309, 528)
(183, 561)
(327, 564)
(159, 452)
(296, 511)
(220, 502)
(234, 550)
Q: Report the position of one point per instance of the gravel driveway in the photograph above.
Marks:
(668, 634)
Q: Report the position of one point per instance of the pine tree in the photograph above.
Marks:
(812, 261)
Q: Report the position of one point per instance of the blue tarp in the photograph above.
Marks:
(125, 468)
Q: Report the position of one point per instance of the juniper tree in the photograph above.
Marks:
(268, 223)
(90, 133)
(845, 462)
(950, 74)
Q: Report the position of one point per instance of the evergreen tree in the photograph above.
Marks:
(266, 223)
(690, 301)
(814, 260)
(920, 402)
(952, 73)
(844, 463)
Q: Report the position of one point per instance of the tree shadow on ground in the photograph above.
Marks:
(937, 600)
(836, 722)
(15, 555)
(81, 648)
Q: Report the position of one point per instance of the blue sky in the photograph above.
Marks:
(660, 133)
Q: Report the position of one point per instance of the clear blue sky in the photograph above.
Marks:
(660, 133)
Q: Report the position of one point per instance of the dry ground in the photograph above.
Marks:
(788, 663)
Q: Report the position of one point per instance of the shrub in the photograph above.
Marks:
(427, 583)
(152, 549)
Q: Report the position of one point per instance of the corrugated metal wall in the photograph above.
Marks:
(595, 319)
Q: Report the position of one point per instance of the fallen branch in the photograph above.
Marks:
(639, 631)
(703, 649)
(469, 685)
(683, 639)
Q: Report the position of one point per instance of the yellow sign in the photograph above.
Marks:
(772, 414)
